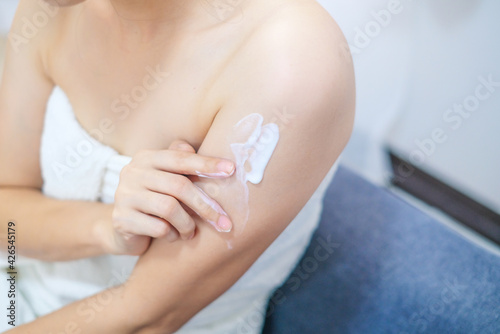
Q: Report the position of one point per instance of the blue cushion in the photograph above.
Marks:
(378, 265)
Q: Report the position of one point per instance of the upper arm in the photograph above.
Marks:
(24, 91)
(308, 92)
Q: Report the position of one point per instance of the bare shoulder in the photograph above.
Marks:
(298, 54)
(299, 20)
(35, 21)
(293, 70)
(34, 28)
(39, 29)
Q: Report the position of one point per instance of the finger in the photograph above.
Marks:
(139, 223)
(192, 196)
(184, 146)
(168, 208)
(186, 163)
(181, 145)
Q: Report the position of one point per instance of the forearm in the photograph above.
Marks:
(159, 301)
(165, 292)
(102, 313)
(50, 229)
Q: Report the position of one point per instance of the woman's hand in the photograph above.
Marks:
(155, 195)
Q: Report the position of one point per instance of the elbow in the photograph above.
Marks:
(163, 325)
(156, 329)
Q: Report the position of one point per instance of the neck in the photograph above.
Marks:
(153, 10)
(146, 21)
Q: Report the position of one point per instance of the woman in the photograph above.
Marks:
(191, 133)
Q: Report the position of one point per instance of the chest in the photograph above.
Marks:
(142, 99)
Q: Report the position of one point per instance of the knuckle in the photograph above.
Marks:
(128, 172)
(125, 172)
(206, 210)
(120, 225)
(181, 185)
(123, 197)
(167, 206)
(117, 215)
(160, 230)
(186, 229)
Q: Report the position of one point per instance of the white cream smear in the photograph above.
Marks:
(252, 144)
(256, 149)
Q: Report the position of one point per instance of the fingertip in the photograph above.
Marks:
(227, 167)
(224, 224)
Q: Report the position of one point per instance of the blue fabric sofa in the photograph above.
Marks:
(378, 265)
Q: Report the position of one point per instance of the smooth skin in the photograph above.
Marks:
(97, 229)
(268, 56)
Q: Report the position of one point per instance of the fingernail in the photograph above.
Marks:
(226, 167)
(224, 224)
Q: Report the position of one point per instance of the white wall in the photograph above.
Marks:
(460, 54)
(417, 64)
(382, 55)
